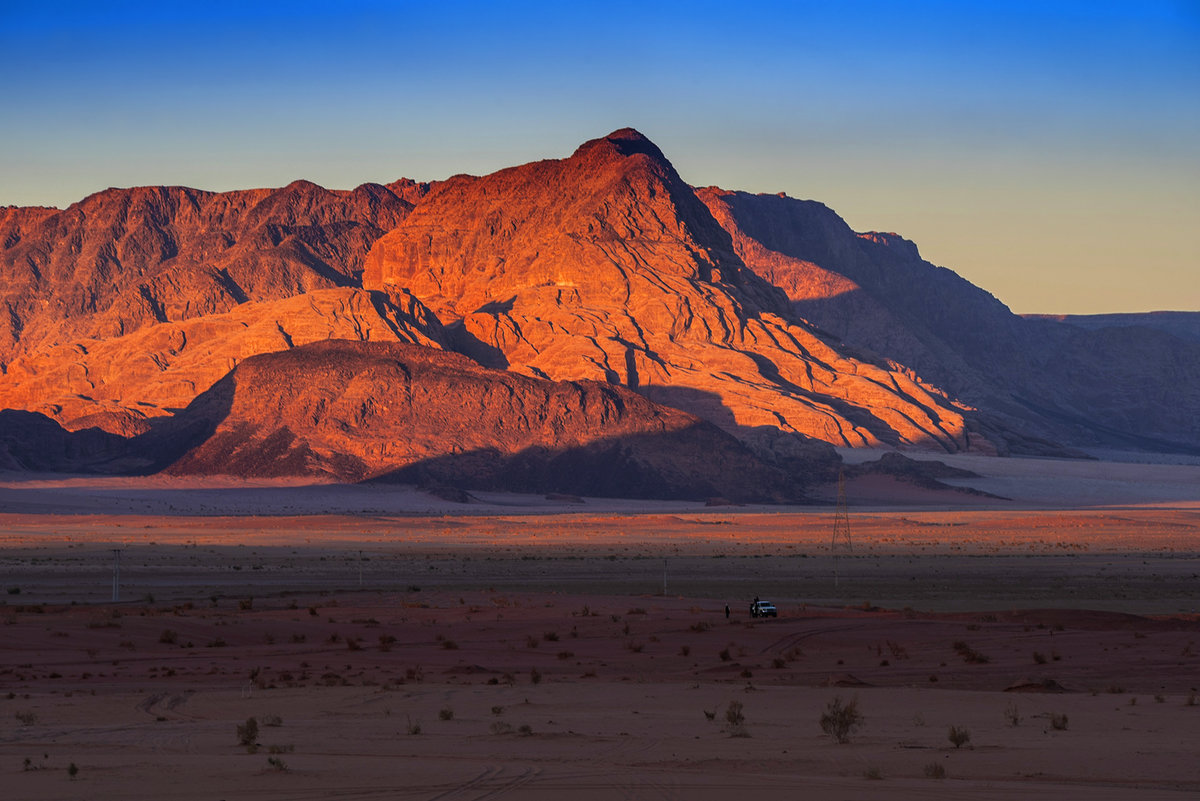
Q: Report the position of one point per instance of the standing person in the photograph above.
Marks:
(727, 611)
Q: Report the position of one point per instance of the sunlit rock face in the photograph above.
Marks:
(122, 384)
(395, 411)
(606, 266)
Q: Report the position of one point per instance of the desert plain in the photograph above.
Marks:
(391, 644)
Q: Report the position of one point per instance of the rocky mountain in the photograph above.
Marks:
(606, 266)
(1035, 383)
(125, 259)
(402, 412)
(129, 317)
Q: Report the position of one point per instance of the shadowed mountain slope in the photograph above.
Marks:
(1088, 383)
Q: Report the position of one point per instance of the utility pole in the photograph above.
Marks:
(116, 574)
(841, 526)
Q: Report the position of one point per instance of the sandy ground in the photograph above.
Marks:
(393, 645)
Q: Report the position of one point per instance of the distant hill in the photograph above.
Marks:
(1185, 325)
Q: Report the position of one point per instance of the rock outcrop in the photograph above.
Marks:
(402, 412)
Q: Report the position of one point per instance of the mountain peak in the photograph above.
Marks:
(625, 142)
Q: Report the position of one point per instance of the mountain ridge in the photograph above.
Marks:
(762, 314)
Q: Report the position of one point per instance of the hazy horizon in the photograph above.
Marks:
(1049, 153)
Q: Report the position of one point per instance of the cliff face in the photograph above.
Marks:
(1034, 381)
(393, 411)
(606, 266)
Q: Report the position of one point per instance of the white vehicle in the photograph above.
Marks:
(763, 609)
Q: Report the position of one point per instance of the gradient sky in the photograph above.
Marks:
(1048, 152)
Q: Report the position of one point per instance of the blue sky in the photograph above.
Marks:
(1049, 152)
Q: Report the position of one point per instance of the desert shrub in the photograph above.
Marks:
(500, 727)
(840, 720)
(246, 604)
(550, 636)
(168, 637)
(685, 650)
(277, 764)
(281, 749)
(635, 647)
(26, 718)
(710, 715)
(535, 676)
(414, 727)
(725, 655)
(247, 733)
(272, 720)
(969, 654)
(1058, 721)
(873, 774)
(525, 729)
(1012, 714)
(72, 770)
(935, 770)
(735, 720)
(531, 642)
(564, 655)
(1039, 657)
(449, 645)
(959, 736)
(446, 713)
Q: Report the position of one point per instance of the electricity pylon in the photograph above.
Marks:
(841, 526)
